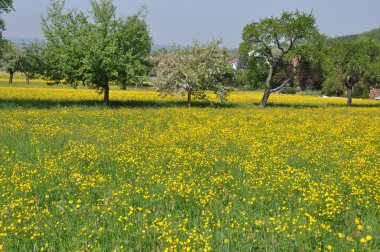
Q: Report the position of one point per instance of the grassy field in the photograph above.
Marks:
(150, 174)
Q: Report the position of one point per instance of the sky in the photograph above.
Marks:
(182, 21)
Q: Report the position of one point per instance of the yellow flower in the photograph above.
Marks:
(363, 240)
(329, 247)
(368, 237)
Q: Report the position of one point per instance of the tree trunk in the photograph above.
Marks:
(11, 77)
(296, 71)
(27, 79)
(189, 98)
(349, 96)
(106, 93)
(265, 98)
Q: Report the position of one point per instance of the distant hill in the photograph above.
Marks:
(373, 34)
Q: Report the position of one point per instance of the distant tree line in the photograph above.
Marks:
(278, 54)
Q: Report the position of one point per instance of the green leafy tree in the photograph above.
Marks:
(306, 61)
(11, 61)
(5, 7)
(274, 41)
(193, 70)
(32, 61)
(96, 49)
(27, 59)
(349, 62)
(251, 70)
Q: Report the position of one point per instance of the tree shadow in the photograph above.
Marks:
(323, 105)
(50, 104)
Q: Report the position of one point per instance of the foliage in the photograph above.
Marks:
(32, 60)
(5, 7)
(372, 34)
(365, 94)
(98, 48)
(307, 61)
(251, 70)
(349, 62)
(187, 179)
(274, 41)
(27, 59)
(11, 60)
(332, 86)
(193, 70)
(290, 90)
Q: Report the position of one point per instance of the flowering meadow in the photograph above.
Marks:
(150, 174)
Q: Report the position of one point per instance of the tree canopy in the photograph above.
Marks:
(11, 60)
(96, 49)
(273, 41)
(5, 7)
(32, 60)
(351, 61)
(193, 70)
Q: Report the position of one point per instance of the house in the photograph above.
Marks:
(234, 64)
(374, 93)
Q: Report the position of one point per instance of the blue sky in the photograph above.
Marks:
(180, 21)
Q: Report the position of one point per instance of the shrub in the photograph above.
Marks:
(365, 93)
(290, 90)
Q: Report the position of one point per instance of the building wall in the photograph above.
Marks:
(374, 92)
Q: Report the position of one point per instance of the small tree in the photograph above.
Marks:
(5, 7)
(273, 40)
(349, 62)
(95, 49)
(32, 61)
(11, 61)
(193, 70)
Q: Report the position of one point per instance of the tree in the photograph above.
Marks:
(96, 49)
(11, 59)
(5, 7)
(306, 61)
(273, 41)
(349, 62)
(32, 61)
(251, 70)
(193, 70)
